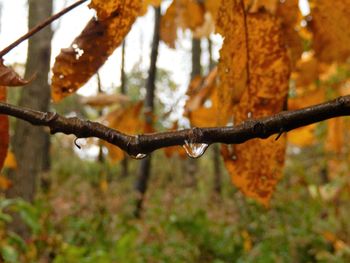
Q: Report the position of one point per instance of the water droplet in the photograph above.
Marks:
(138, 156)
(227, 70)
(195, 150)
(250, 115)
(61, 76)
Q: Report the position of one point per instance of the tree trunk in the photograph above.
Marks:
(31, 143)
(215, 147)
(123, 90)
(145, 166)
(192, 164)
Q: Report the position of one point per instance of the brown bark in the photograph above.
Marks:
(30, 143)
(145, 166)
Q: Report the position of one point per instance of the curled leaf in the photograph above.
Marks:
(75, 65)
(8, 77)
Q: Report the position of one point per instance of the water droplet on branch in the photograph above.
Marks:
(138, 156)
(195, 150)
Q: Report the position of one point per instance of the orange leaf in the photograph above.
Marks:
(331, 28)
(256, 166)
(175, 150)
(8, 77)
(10, 161)
(5, 183)
(126, 120)
(232, 70)
(181, 14)
(104, 99)
(75, 65)
(4, 130)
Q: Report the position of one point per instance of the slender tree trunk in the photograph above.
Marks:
(192, 164)
(31, 143)
(123, 90)
(215, 147)
(145, 166)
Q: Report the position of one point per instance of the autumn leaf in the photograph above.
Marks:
(232, 67)
(175, 150)
(8, 77)
(127, 120)
(147, 3)
(330, 25)
(4, 130)
(201, 106)
(75, 65)
(104, 99)
(181, 14)
(255, 166)
(5, 183)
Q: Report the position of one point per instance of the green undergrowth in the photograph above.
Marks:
(84, 213)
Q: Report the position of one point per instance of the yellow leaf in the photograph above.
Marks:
(256, 166)
(331, 28)
(302, 137)
(232, 67)
(75, 65)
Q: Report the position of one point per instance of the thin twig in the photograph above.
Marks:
(146, 143)
(39, 27)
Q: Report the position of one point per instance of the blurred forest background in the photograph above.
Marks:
(83, 200)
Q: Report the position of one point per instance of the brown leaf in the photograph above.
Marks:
(175, 150)
(201, 107)
(8, 77)
(126, 120)
(147, 3)
(104, 99)
(5, 183)
(256, 166)
(232, 67)
(89, 51)
(331, 28)
(181, 14)
(4, 130)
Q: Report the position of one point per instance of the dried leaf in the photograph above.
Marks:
(5, 183)
(4, 130)
(232, 67)
(104, 99)
(8, 77)
(75, 65)
(126, 120)
(181, 14)
(335, 135)
(302, 137)
(256, 166)
(331, 28)
(212, 6)
(290, 15)
(147, 3)
(175, 150)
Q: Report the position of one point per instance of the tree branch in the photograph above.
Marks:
(146, 143)
(39, 27)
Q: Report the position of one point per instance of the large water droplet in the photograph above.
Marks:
(138, 156)
(195, 150)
